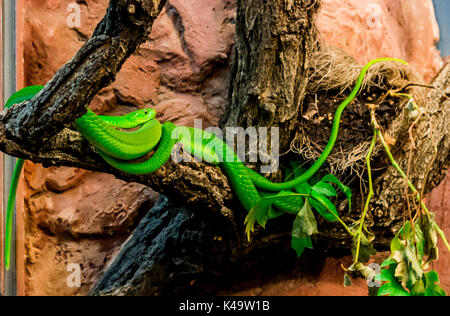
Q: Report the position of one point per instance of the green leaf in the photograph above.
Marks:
(419, 241)
(250, 220)
(408, 270)
(416, 244)
(303, 188)
(396, 244)
(324, 207)
(305, 222)
(418, 289)
(366, 249)
(259, 213)
(430, 249)
(392, 287)
(304, 226)
(345, 189)
(408, 251)
(324, 188)
(322, 210)
(289, 202)
(409, 256)
(403, 250)
(433, 289)
(299, 245)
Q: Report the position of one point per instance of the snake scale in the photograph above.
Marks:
(119, 147)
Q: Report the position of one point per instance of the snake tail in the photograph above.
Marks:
(20, 96)
(10, 210)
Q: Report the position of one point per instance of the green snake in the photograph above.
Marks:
(119, 147)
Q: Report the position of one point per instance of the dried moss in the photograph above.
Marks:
(333, 74)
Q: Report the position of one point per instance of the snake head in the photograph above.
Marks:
(142, 116)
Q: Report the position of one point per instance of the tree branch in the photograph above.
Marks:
(199, 183)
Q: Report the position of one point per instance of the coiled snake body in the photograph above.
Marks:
(118, 148)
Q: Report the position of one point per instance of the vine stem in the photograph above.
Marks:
(345, 226)
(369, 197)
(411, 186)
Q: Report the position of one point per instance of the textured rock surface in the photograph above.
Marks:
(76, 217)
(439, 202)
(183, 70)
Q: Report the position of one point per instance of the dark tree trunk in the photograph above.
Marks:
(172, 251)
(274, 44)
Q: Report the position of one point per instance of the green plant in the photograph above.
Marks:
(309, 196)
(407, 271)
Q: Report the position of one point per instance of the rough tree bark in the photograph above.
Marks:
(274, 43)
(387, 209)
(203, 241)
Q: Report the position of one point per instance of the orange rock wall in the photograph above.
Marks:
(73, 216)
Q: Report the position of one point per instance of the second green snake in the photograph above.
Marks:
(119, 148)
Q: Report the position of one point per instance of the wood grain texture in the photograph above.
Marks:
(275, 40)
